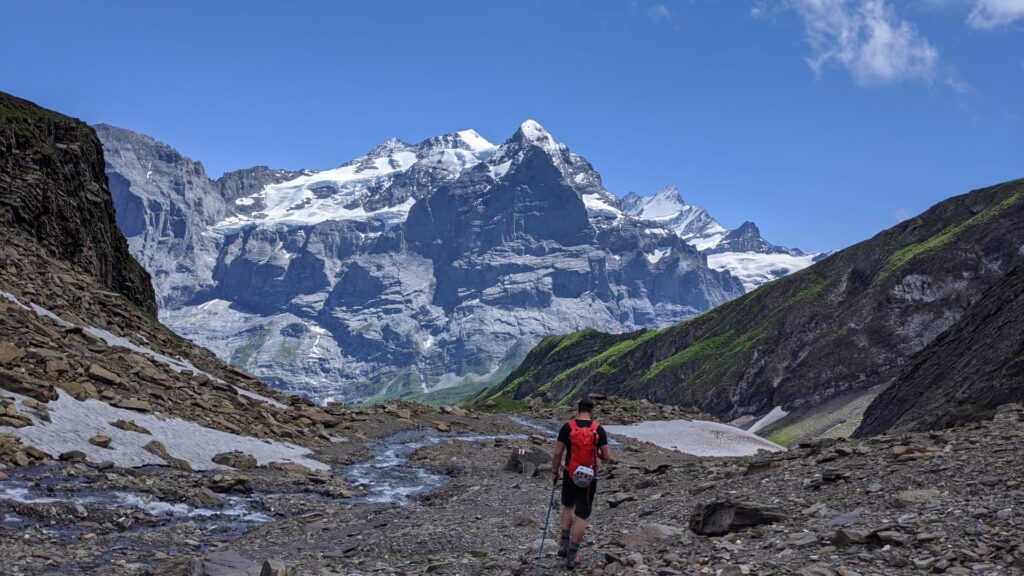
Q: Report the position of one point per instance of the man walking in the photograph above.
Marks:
(582, 440)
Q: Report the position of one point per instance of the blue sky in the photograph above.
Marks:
(824, 121)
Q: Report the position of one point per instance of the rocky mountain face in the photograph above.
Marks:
(847, 324)
(55, 194)
(165, 224)
(966, 373)
(743, 252)
(413, 268)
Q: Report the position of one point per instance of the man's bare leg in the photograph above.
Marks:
(579, 530)
(567, 522)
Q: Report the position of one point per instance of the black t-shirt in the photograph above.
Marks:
(563, 437)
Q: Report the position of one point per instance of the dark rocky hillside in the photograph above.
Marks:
(964, 375)
(55, 191)
(843, 326)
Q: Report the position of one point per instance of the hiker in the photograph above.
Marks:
(583, 440)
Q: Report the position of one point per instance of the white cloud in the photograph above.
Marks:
(659, 13)
(902, 214)
(866, 37)
(995, 13)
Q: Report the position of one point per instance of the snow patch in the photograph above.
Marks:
(597, 207)
(657, 255)
(768, 419)
(754, 269)
(474, 140)
(73, 422)
(697, 437)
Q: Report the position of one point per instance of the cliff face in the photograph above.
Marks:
(54, 192)
(965, 374)
(845, 325)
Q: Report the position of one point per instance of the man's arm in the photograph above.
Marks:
(603, 451)
(556, 461)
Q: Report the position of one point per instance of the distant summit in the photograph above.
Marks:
(743, 251)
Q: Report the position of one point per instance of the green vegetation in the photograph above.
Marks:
(786, 436)
(605, 357)
(901, 257)
(500, 403)
(696, 350)
(243, 354)
(570, 339)
(288, 351)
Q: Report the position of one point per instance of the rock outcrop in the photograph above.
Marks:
(55, 194)
(966, 373)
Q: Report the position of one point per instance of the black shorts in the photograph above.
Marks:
(581, 500)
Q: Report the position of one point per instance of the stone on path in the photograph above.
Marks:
(724, 517)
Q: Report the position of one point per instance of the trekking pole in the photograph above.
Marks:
(547, 520)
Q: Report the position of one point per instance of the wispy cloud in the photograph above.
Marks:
(902, 214)
(866, 37)
(988, 14)
(659, 13)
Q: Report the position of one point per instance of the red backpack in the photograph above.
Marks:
(584, 446)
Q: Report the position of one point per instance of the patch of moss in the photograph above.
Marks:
(901, 257)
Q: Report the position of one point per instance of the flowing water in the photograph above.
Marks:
(390, 478)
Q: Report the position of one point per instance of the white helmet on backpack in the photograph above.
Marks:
(583, 476)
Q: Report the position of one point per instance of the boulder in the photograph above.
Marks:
(204, 497)
(235, 459)
(133, 404)
(157, 448)
(723, 517)
(274, 567)
(101, 374)
(72, 456)
(227, 483)
(528, 461)
(101, 440)
(130, 426)
(9, 352)
(21, 383)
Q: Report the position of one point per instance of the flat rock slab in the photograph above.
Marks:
(228, 564)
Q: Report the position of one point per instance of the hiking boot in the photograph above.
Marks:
(572, 561)
(563, 550)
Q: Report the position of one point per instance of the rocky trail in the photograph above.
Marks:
(438, 499)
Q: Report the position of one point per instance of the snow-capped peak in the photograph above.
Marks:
(531, 132)
(468, 140)
(474, 140)
(529, 135)
(666, 203)
(387, 148)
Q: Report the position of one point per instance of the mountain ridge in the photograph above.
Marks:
(844, 325)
